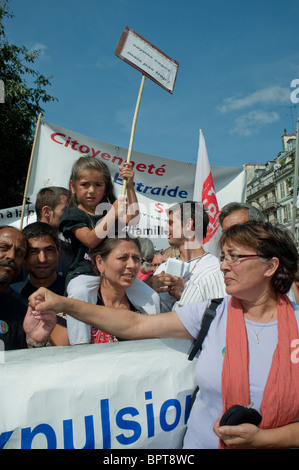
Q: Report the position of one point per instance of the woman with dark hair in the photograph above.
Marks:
(249, 354)
(116, 263)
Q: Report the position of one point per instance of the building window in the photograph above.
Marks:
(287, 212)
(282, 189)
(291, 144)
(280, 215)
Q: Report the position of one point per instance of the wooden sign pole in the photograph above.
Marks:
(124, 188)
(152, 63)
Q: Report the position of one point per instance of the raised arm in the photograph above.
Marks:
(133, 214)
(119, 322)
(107, 225)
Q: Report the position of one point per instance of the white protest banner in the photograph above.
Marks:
(148, 59)
(11, 216)
(159, 182)
(126, 395)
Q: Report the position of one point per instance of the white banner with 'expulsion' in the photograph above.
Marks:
(126, 395)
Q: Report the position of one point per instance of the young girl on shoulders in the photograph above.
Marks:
(94, 214)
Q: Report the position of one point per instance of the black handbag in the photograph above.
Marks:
(238, 414)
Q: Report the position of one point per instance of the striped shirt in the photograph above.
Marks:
(204, 281)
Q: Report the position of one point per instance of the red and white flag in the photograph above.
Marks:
(204, 191)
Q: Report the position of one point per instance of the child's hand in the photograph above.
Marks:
(126, 172)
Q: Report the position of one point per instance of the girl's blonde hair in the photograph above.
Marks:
(92, 163)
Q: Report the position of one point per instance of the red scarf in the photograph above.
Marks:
(280, 403)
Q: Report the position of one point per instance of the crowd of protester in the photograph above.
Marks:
(131, 291)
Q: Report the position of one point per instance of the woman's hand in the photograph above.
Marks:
(44, 300)
(243, 436)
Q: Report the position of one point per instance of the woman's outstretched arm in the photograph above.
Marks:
(119, 322)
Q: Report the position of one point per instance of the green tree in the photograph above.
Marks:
(18, 113)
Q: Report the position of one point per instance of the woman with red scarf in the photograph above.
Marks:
(249, 354)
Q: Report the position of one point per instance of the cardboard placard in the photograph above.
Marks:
(148, 59)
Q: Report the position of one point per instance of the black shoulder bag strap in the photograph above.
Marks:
(208, 316)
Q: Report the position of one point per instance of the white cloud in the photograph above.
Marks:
(274, 94)
(251, 123)
(42, 48)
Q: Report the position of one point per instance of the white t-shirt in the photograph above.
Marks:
(207, 407)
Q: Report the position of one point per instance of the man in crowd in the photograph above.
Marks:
(41, 264)
(41, 261)
(200, 277)
(49, 206)
(238, 213)
(17, 329)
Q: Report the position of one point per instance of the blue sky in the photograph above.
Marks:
(237, 61)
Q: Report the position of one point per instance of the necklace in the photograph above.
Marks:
(260, 329)
(198, 259)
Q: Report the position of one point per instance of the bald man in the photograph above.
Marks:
(18, 329)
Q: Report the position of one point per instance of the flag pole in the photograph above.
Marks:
(295, 193)
(133, 130)
(29, 169)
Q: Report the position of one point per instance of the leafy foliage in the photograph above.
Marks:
(24, 93)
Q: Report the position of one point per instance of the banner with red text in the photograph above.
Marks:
(159, 182)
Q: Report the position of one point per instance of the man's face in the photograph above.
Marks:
(174, 229)
(42, 258)
(13, 249)
(180, 235)
(55, 214)
(239, 216)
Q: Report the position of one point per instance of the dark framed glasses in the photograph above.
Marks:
(233, 258)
